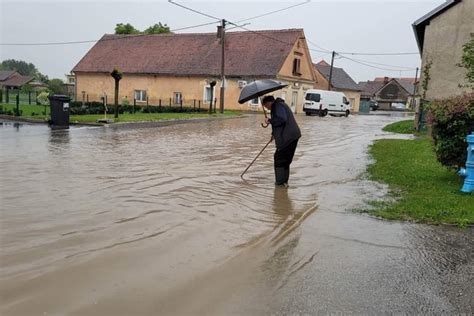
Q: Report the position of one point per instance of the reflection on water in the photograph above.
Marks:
(59, 139)
(88, 205)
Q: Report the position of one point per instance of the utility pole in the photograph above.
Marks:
(330, 71)
(222, 34)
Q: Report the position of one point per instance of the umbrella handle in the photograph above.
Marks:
(264, 125)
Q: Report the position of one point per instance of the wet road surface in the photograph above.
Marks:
(146, 221)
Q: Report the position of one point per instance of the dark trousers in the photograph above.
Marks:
(282, 160)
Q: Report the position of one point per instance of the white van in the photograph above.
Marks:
(325, 102)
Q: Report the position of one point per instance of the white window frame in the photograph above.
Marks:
(178, 97)
(141, 93)
(204, 95)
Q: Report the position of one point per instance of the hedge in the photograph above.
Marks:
(451, 120)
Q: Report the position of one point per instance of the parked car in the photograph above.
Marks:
(323, 102)
(374, 106)
(398, 106)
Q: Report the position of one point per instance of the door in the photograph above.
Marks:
(294, 101)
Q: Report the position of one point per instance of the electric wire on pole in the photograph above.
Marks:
(330, 70)
(222, 35)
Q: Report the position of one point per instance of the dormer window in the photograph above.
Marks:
(297, 67)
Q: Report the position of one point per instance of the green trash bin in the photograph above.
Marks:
(364, 107)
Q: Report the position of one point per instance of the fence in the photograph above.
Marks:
(10, 97)
(163, 106)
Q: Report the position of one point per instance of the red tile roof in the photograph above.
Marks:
(5, 74)
(17, 81)
(248, 54)
(323, 63)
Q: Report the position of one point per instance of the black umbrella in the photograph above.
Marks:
(259, 88)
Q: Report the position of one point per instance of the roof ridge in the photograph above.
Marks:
(204, 33)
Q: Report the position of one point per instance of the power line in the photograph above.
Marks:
(380, 64)
(273, 38)
(313, 43)
(105, 39)
(272, 12)
(368, 65)
(193, 10)
(378, 54)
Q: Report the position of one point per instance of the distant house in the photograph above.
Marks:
(387, 91)
(340, 81)
(11, 79)
(440, 35)
(175, 67)
(70, 86)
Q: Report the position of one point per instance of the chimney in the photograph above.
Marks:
(385, 79)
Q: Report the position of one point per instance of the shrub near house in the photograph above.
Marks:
(452, 120)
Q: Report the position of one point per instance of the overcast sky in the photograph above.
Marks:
(344, 26)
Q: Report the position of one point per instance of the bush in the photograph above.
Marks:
(452, 120)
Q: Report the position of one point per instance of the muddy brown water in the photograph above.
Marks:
(156, 221)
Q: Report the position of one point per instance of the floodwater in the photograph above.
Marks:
(156, 221)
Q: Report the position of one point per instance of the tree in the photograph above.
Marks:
(117, 75)
(130, 29)
(23, 68)
(158, 29)
(27, 88)
(56, 86)
(126, 29)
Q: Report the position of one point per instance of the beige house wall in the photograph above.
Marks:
(321, 82)
(158, 87)
(297, 85)
(444, 37)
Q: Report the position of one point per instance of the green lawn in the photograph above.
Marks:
(36, 111)
(402, 127)
(148, 117)
(424, 190)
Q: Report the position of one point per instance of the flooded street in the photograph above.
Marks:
(156, 220)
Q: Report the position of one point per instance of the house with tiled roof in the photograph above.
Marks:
(171, 68)
(409, 83)
(12, 80)
(340, 81)
(385, 92)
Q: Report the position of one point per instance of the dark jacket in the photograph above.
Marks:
(284, 127)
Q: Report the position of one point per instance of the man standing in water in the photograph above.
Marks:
(286, 133)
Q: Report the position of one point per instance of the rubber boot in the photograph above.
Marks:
(287, 174)
(280, 176)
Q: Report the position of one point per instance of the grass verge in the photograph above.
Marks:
(148, 117)
(401, 127)
(424, 190)
(37, 112)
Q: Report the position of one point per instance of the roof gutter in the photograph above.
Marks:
(420, 24)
